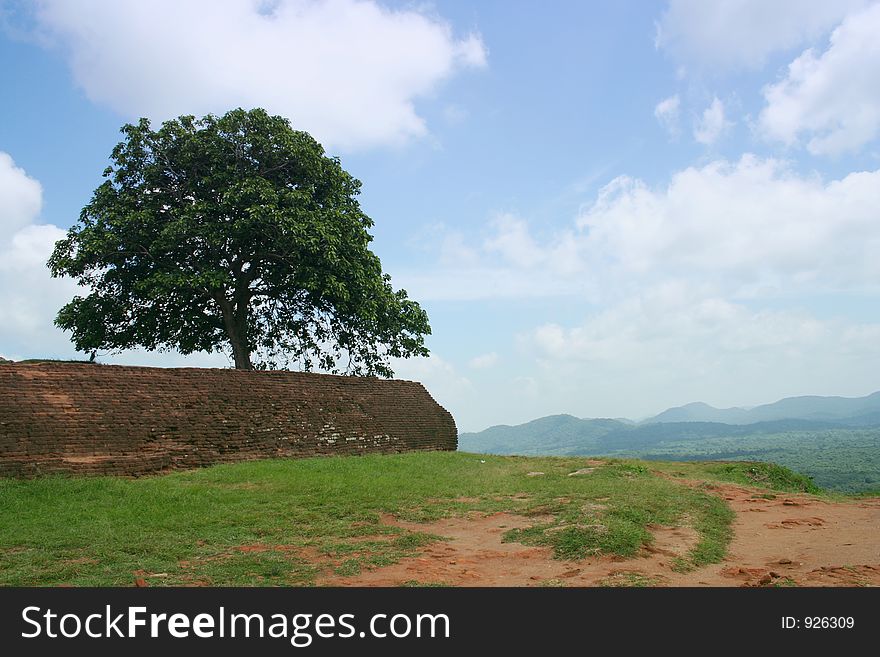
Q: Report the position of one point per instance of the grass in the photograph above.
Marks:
(287, 522)
(785, 582)
(748, 473)
(633, 498)
(629, 579)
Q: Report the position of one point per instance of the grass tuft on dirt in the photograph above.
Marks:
(632, 498)
(748, 473)
(288, 522)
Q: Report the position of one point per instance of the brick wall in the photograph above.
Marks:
(108, 419)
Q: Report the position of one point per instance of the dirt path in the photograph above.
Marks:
(792, 539)
(796, 539)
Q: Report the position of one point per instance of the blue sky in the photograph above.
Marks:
(606, 208)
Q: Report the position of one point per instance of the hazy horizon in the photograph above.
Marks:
(652, 415)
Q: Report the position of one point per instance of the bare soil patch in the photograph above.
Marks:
(475, 554)
(791, 540)
(798, 540)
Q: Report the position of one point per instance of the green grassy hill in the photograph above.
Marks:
(289, 522)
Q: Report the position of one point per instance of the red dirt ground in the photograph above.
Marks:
(790, 540)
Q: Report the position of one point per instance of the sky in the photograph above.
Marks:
(606, 209)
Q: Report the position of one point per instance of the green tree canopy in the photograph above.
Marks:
(234, 234)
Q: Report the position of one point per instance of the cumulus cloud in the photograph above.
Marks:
(484, 361)
(674, 343)
(670, 322)
(748, 223)
(508, 261)
(22, 196)
(510, 238)
(754, 226)
(737, 34)
(348, 71)
(667, 112)
(831, 98)
(712, 123)
(489, 281)
(28, 296)
(513, 241)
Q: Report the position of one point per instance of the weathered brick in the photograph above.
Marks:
(110, 419)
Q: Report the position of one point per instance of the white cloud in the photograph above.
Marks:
(755, 227)
(674, 343)
(672, 323)
(712, 124)
(743, 33)
(28, 295)
(667, 113)
(751, 223)
(833, 98)
(507, 262)
(440, 377)
(22, 197)
(484, 361)
(495, 281)
(513, 242)
(455, 250)
(348, 71)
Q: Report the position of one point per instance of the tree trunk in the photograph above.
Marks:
(241, 354)
(235, 322)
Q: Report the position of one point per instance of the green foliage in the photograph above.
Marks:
(284, 522)
(234, 233)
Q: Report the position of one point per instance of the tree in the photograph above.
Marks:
(234, 233)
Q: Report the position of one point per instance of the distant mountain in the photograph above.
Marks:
(804, 408)
(835, 440)
(700, 412)
(554, 434)
(568, 435)
(564, 435)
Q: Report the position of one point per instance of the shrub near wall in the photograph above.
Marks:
(107, 419)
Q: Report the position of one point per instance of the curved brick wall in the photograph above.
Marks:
(108, 419)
